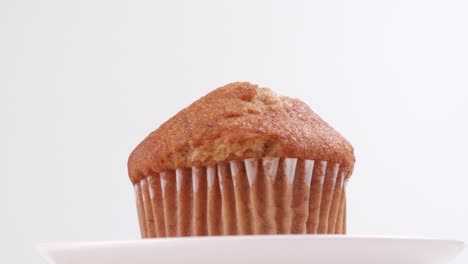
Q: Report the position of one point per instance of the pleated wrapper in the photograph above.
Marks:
(244, 197)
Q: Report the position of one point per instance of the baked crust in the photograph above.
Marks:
(239, 121)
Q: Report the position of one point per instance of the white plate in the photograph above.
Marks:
(294, 249)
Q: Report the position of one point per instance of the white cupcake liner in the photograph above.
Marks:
(241, 197)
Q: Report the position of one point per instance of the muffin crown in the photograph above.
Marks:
(239, 121)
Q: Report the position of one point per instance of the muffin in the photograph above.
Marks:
(242, 160)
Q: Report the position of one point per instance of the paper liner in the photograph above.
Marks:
(242, 197)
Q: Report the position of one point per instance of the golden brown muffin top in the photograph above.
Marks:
(239, 121)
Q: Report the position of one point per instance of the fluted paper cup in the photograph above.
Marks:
(242, 197)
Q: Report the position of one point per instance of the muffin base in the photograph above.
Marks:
(244, 197)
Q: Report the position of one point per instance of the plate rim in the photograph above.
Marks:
(49, 249)
(46, 246)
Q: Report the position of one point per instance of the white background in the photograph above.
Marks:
(83, 82)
